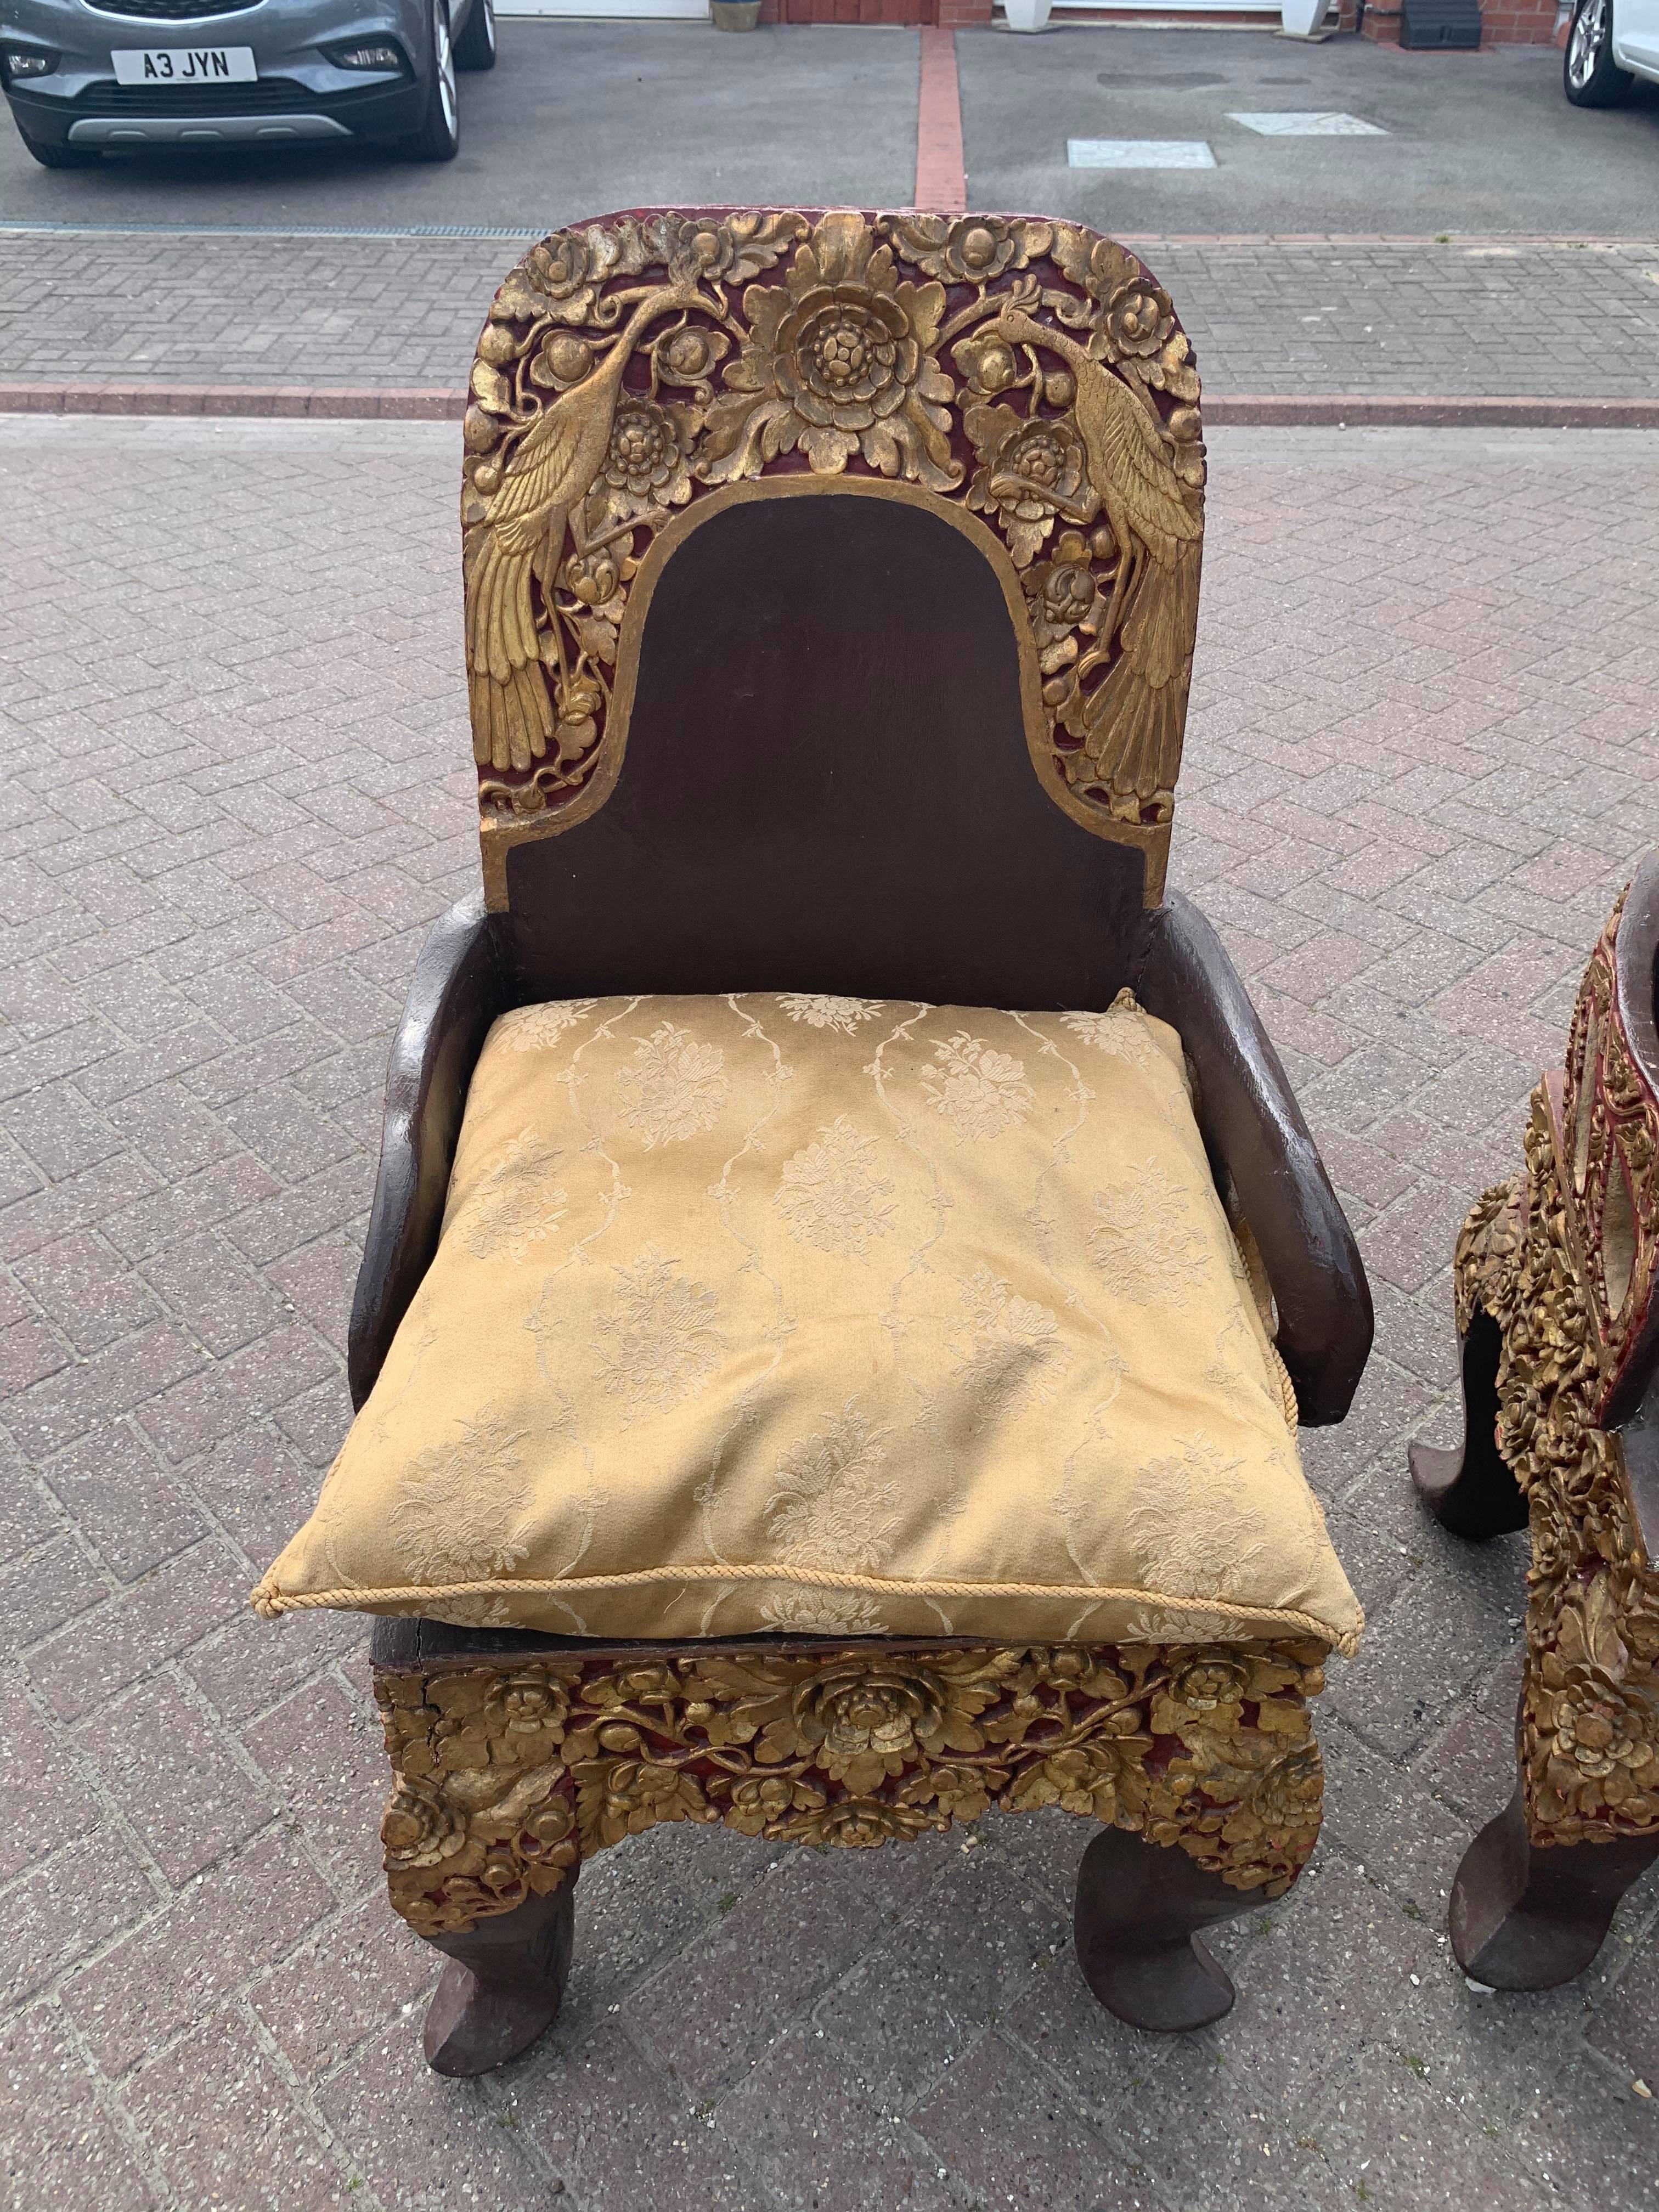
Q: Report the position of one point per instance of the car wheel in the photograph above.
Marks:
(440, 135)
(476, 47)
(1589, 75)
(53, 154)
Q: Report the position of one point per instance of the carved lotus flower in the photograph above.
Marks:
(839, 362)
(1031, 470)
(418, 1828)
(644, 463)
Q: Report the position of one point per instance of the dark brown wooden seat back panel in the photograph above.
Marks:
(827, 788)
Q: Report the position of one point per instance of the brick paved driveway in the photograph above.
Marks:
(1525, 317)
(1423, 758)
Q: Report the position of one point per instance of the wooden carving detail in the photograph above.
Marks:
(505, 1777)
(1030, 371)
(1590, 1722)
(1609, 1162)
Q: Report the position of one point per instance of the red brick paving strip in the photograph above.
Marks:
(941, 175)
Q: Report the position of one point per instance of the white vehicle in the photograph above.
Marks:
(1612, 43)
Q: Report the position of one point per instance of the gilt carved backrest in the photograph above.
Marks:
(831, 583)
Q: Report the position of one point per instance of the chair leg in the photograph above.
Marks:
(1472, 1492)
(1526, 1916)
(1139, 1908)
(503, 1985)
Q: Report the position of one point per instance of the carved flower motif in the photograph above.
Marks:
(1030, 470)
(596, 577)
(863, 1822)
(1136, 322)
(419, 1828)
(1211, 1685)
(987, 361)
(1289, 1794)
(1066, 590)
(839, 362)
(1087, 1778)
(548, 1831)
(1139, 315)
(644, 463)
(699, 246)
(525, 1704)
(1600, 1724)
(972, 251)
(562, 359)
(560, 266)
(864, 1720)
(691, 356)
(968, 249)
(757, 1801)
(629, 1796)
(1062, 594)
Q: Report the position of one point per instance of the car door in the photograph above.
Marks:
(1636, 35)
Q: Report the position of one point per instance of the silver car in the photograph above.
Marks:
(85, 77)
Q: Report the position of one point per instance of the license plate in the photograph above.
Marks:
(165, 65)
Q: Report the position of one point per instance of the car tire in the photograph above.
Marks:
(53, 154)
(1589, 75)
(440, 135)
(476, 47)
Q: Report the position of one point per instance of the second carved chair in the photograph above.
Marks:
(1556, 1277)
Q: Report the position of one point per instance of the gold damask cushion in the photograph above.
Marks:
(821, 1314)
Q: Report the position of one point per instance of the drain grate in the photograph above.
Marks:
(1139, 153)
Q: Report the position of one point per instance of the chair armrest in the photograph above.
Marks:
(460, 983)
(1259, 1145)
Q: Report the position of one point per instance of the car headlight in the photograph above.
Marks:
(17, 62)
(367, 54)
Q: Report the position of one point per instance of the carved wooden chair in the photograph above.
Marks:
(831, 586)
(1555, 1279)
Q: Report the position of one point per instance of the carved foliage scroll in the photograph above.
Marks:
(505, 1777)
(1031, 373)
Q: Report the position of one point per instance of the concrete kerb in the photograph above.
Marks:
(346, 403)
